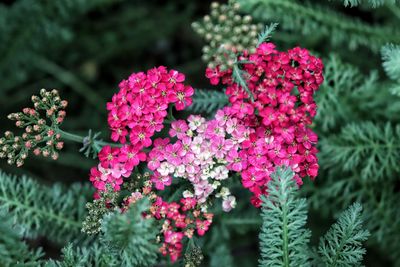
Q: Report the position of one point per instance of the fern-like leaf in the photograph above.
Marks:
(238, 76)
(14, 251)
(373, 3)
(391, 60)
(131, 237)
(373, 149)
(55, 212)
(266, 34)
(283, 238)
(317, 21)
(207, 101)
(342, 245)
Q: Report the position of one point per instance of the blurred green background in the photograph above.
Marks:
(85, 48)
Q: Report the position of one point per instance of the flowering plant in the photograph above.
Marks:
(265, 124)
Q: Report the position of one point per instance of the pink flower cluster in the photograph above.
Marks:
(115, 163)
(139, 108)
(203, 154)
(282, 85)
(137, 111)
(179, 219)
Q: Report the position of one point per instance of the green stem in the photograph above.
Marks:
(170, 115)
(285, 237)
(80, 139)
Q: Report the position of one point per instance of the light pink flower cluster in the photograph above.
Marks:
(203, 154)
(282, 85)
(138, 111)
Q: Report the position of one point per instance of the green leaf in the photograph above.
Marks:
(283, 237)
(56, 212)
(267, 33)
(207, 101)
(342, 245)
(391, 60)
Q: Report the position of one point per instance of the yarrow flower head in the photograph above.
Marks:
(282, 85)
(203, 154)
(136, 113)
(138, 110)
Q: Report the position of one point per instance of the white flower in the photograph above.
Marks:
(221, 173)
(165, 168)
(224, 193)
(215, 184)
(229, 203)
(187, 194)
(180, 171)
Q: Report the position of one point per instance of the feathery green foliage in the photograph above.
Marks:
(238, 76)
(346, 85)
(341, 246)
(336, 93)
(317, 21)
(207, 101)
(373, 3)
(96, 255)
(283, 239)
(127, 239)
(130, 236)
(14, 251)
(266, 34)
(373, 149)
(391, 61)
(40, 210)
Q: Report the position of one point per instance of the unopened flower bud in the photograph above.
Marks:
(45, 153)
(64, 103)
(36, 151)
(20, 163)
(54, 156)
(60, 145)
(28, 144)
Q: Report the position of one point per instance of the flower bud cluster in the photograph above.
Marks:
(227, 33)
(40, 125)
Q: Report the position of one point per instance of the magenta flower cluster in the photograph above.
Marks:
(137, 111)
(282, 85)
(139, 108)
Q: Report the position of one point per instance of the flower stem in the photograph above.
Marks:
(81, 139)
